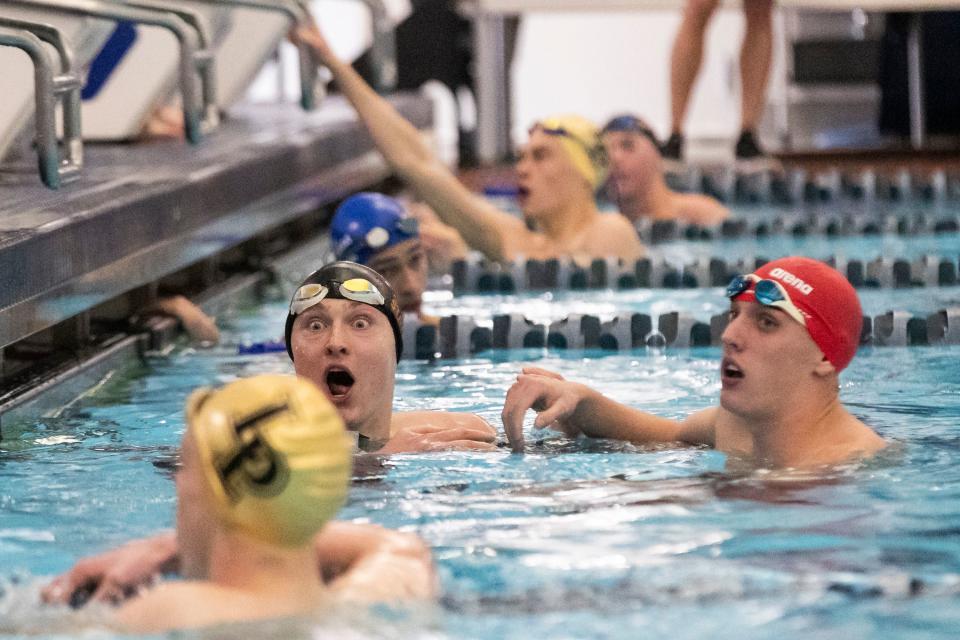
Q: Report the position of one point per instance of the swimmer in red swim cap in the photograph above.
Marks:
(794, 326)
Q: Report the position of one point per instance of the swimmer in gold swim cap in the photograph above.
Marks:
(265, 465)
(557, 173)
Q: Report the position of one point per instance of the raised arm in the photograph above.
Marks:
(575, 408)
(367, 563)
(483, 226)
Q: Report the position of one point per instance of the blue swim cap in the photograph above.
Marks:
(366, 224)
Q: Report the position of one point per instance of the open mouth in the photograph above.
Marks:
(339, 382)
(523, 192)
(728, 369)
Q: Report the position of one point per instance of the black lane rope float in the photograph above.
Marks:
(462, 336)
(477, 275)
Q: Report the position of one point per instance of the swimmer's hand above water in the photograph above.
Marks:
(575, 409)
(115, 575)
(555, 400)
(310, 35)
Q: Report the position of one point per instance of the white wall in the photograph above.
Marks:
(595, 64)
(598, 64)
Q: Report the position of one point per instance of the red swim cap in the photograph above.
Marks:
(827, 300)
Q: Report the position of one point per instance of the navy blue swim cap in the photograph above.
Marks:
(366, 224)
(630, 123)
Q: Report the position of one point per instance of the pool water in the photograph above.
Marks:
(574, 539)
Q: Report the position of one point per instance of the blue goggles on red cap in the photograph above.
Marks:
(769, 293)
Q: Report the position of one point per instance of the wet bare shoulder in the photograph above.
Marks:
(614, 235)
(445, 419)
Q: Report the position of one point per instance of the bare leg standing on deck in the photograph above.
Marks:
(755, 61)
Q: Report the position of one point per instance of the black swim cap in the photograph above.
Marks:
(346, 281)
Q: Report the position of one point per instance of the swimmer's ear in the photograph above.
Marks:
(825, 368)
(196, 400)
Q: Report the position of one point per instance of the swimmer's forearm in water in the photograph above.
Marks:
(600, 417)
(482, 225)
(575, 408)
(116, 574)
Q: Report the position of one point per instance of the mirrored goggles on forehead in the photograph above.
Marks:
(769, 293)
(356, 289)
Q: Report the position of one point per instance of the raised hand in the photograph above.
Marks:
(546, 392)
(312, 37)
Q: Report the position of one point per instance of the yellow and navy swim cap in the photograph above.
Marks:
(275, 455)
(580, 138)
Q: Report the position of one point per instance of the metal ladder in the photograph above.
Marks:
(51, 87)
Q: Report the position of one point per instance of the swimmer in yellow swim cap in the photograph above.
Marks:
(265, 465)
(557, 173)
(580, 140)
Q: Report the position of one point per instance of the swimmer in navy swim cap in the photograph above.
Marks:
(794, 326)
(636, 181)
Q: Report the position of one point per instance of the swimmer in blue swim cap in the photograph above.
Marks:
(376, 230)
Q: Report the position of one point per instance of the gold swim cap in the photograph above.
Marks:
(580, 138)
(274, 453)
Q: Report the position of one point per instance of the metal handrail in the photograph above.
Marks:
(46, 32)
(48, 87)
(203, 60)
(72, 136)
(298, 13)
(383, 50)
(191, 56)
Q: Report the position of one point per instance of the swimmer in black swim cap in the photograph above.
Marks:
(346, 281)
(343, 332)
